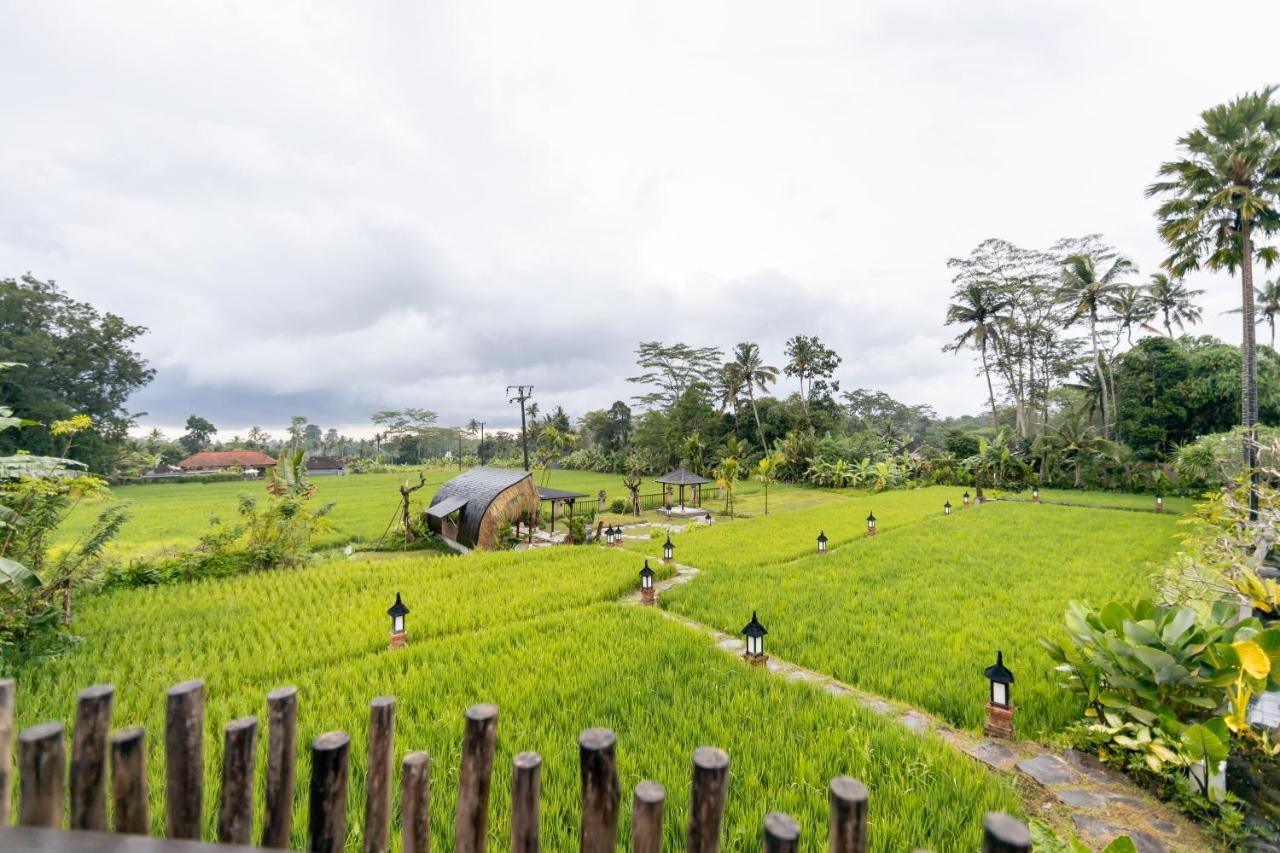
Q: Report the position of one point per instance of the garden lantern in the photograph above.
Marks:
(397, 612)
(822, 542)
(999, 707)
(646, 584)
(966, 500)
(754, 632)
(946, 508)
(615, 535)
(871, 524)
(706, 519)
(608, 535)
(1159, 502)
(1035, 494)
(667, 550)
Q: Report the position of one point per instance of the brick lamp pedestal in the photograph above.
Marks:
(397, 640)
(647, 595)
(756, 660)
(999, 721)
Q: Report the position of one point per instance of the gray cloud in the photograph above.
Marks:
(325, 210)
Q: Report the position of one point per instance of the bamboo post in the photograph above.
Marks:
(847, 822)
(89, 758)
(6, 747)
(706, 808)
(282, 746)
(1004, 834)
(646, 818)
(329, 771)
(239, 754)
(377, 803)
(415, 803)
(471, 827)
(601, 791)
(781, 833)
(184, 759)
(41, 770)
(526, 795)
(129, 781)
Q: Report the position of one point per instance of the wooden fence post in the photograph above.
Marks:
(471, 827)
(1004, 834)
(42, 766)
(89, 758)
(601, 791)
(6, 747)
(526, 796)
(239, 756)
(706, 807)
(282, 746)
(646, 818)
(129, 781)
(184, 759)
(377, 802)
(329, 770)
(847, 815)
(781, 833)
(415, 803)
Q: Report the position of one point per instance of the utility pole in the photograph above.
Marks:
(523, 394)
(481, 444)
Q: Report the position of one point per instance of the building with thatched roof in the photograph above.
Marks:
(473, 506)
(683, 477)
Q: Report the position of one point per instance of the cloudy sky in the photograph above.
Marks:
(329, 209)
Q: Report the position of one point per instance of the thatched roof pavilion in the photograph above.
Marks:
(683, 477)
(471, 507)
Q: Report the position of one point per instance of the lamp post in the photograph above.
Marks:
(706, 519)
(871, 524)
(1035, 494)
(754, 632)
(397, 612)
(668, 550)
(1159, 502)
(946, 508)
(822, 542)
(966, 500)
(646, 584)
(1000, 706)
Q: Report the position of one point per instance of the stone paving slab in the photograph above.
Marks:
(1095, 770)
(994, 755)
(1079, 798)
(1048, 770)
(1100, 832)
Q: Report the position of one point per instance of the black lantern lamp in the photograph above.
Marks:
(822, 542)
(946, 508)
(754, 632)
(966, 500)
(871, 524)
(999, 706)
(608, 535)
(646, 584)
(1035, 494)
(668, 550)
(1159, 502)
(706, 519)
(397, 612)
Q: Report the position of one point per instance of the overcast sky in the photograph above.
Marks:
(330, 209)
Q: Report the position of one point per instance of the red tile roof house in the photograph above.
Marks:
(217, 461)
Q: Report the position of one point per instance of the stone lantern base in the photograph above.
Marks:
(647, 595)
(871, 531)
(999, 721)
(755, 660)
(397, 640)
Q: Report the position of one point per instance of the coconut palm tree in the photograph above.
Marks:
(1131, 308)
(1220, 198)
(1268, 297)
(1075, 442)
(1171, 298)
(729, 382)
(755, 375)
(980, 311)
(1089, 290)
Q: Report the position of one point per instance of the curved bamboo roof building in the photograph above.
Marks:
(470, 508)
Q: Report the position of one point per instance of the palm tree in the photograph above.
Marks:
(1218, 198)
(1088, 291)
(1268, 297)
(729, 382)
(1074, 442)
(1131, 308)
(980, 310)
(755, 374)
(803, 352)
(1172, 299)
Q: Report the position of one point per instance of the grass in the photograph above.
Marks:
(918, 611)
(535, 633)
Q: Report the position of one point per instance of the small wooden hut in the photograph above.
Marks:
(471, 507)
(683, 477)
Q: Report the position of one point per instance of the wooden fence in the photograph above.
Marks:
(46, 787)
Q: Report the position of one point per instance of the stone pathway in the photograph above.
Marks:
(1069, 789)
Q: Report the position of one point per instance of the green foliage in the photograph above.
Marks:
(618, 506)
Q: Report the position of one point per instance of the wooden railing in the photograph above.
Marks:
(45, 785)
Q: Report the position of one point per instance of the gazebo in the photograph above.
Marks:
(684, 477)
(557, 496)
